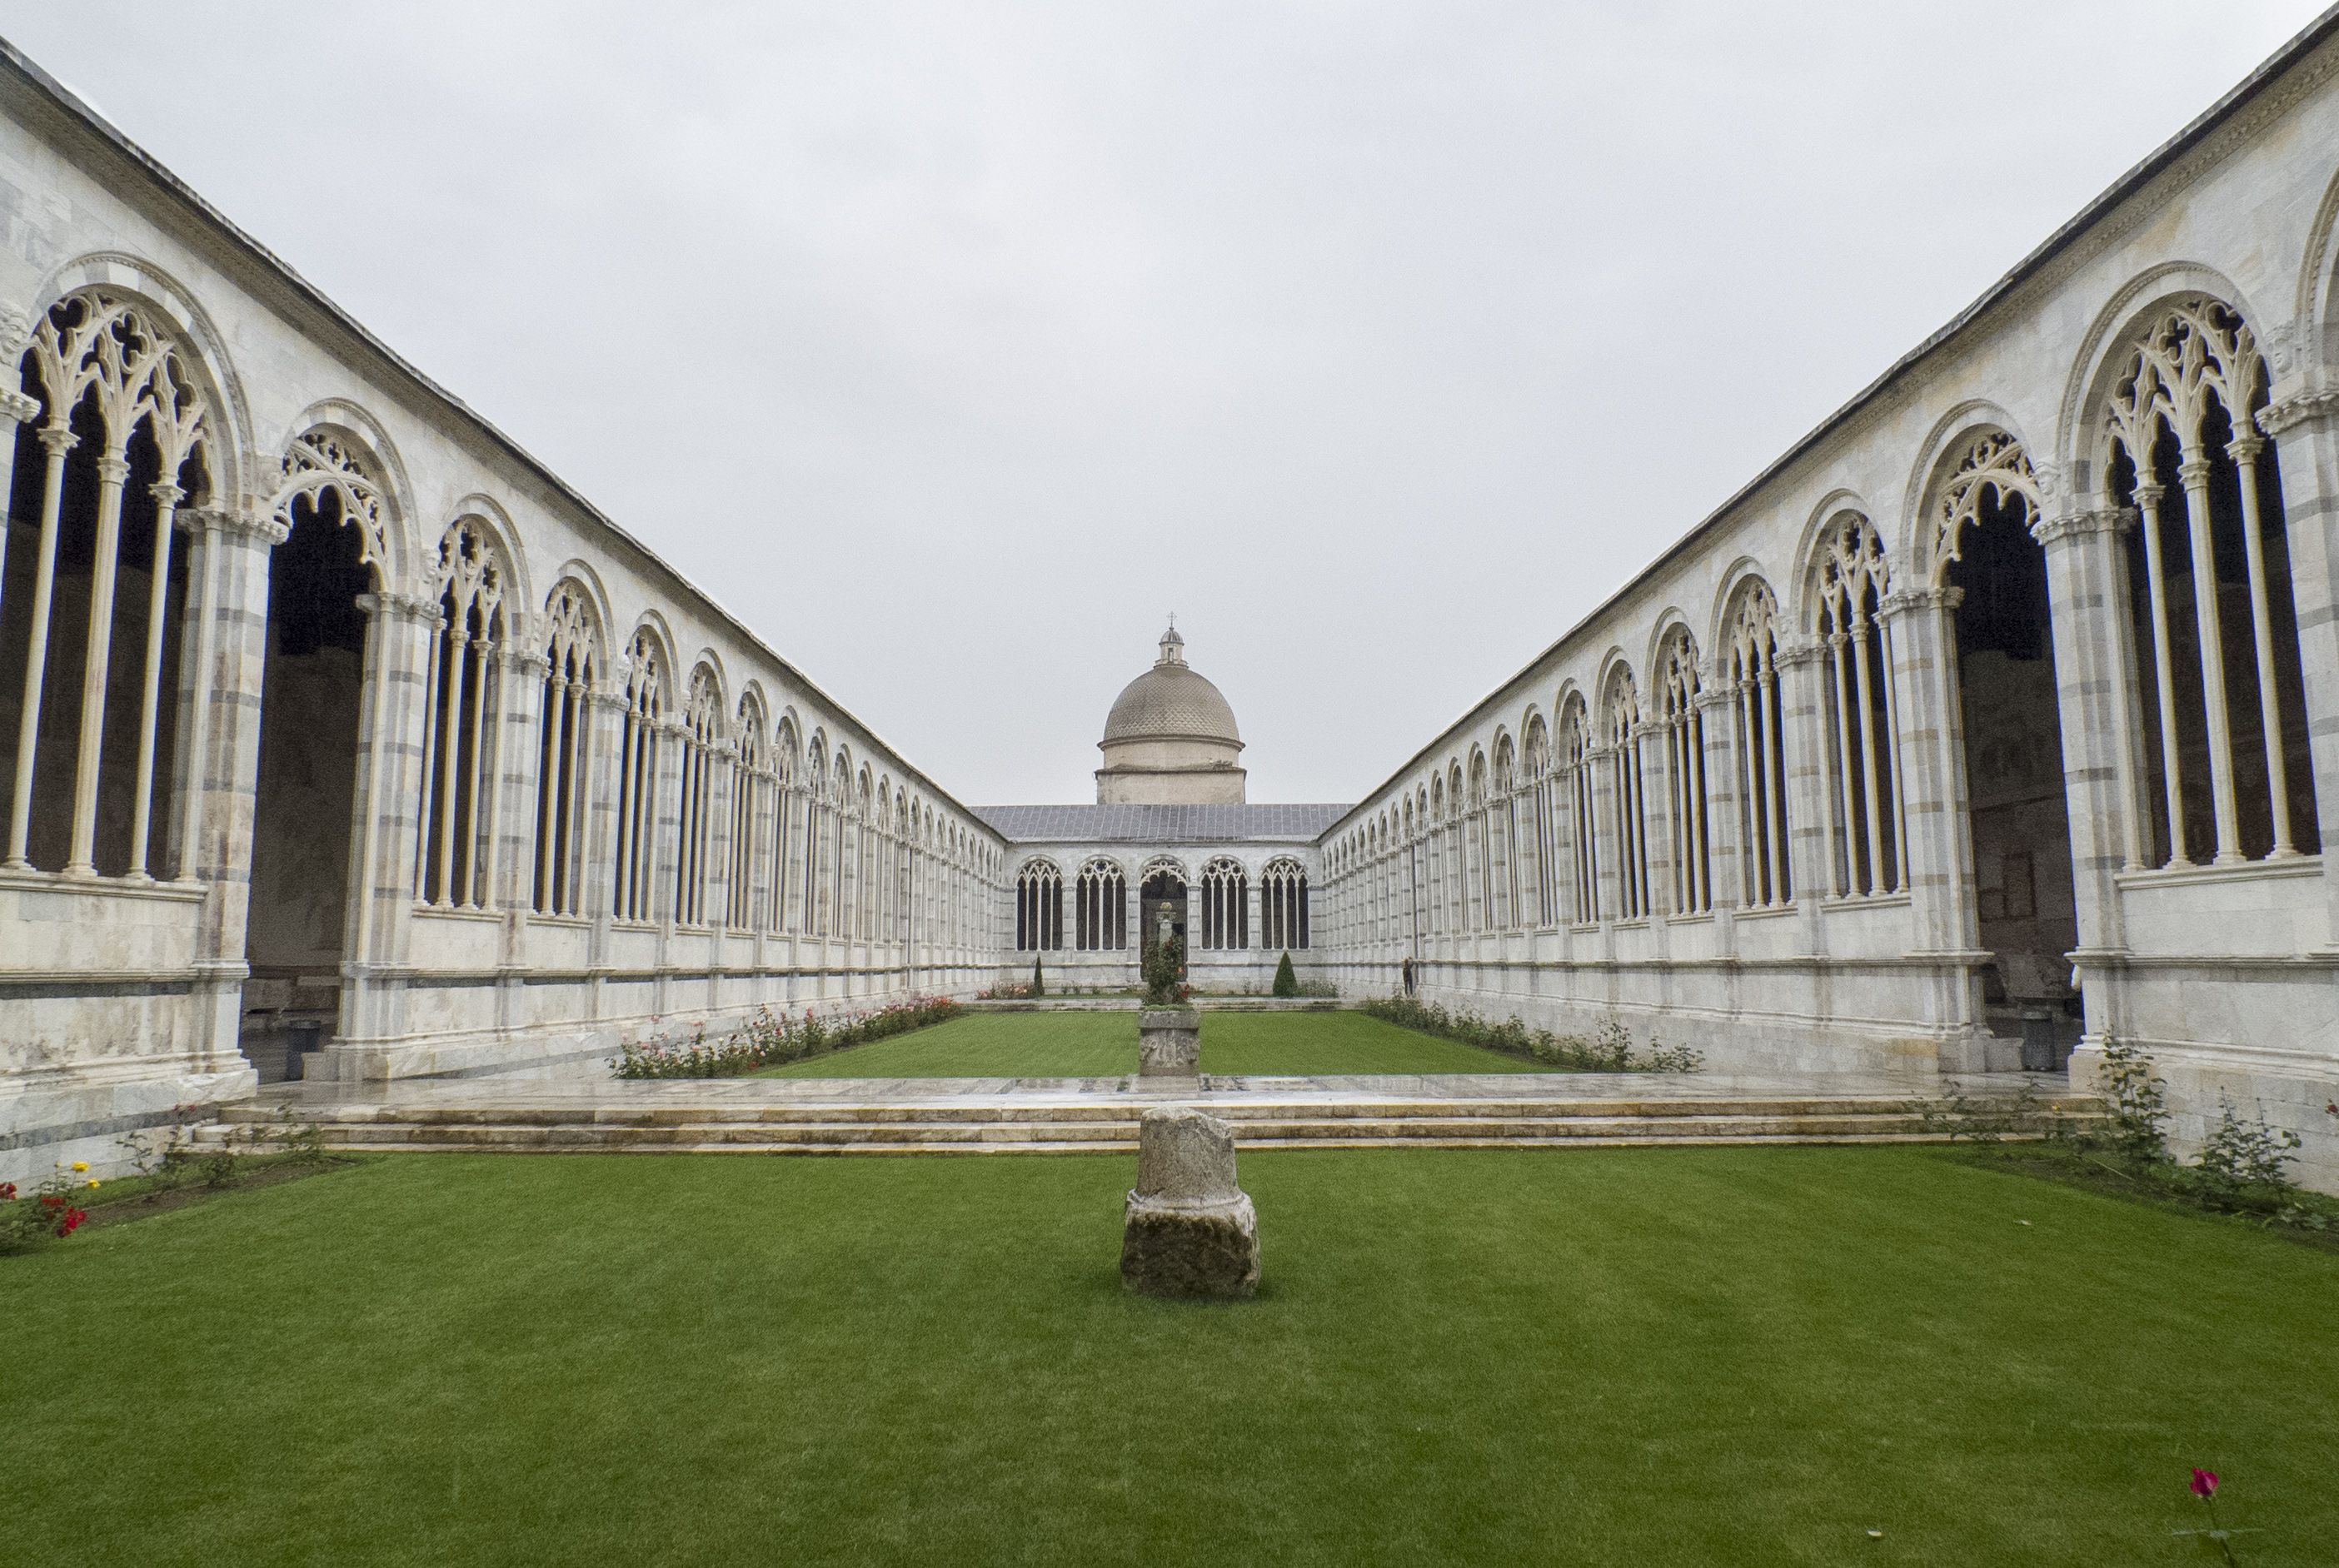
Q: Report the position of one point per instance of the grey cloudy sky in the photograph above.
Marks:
(952, 344)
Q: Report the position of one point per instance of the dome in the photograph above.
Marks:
(1170, 702)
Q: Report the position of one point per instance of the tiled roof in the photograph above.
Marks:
(1159, 824)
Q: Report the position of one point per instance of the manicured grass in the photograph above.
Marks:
(1104, 1045)
(1646, 1357)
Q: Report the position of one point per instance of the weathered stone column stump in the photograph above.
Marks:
(1168, 1043)
(1188, 1230)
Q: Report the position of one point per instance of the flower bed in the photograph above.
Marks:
(35, 1219)
(1610, 1049)
(772, 1039)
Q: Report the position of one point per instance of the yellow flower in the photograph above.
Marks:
(93, 1181)
(81, 1165)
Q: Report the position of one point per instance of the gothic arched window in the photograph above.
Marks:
(1283, 905)
(98, 485)
(702, 732)
(564, 763)
(751, 798)
(637, 772)
(1758, 728)
(1226, 915)
(1871, 839)
(1039, 908)
(1583, 813)
(464, 680)
(1629, 796)
(1102, 908)
(1682, 726)
(2224, 735)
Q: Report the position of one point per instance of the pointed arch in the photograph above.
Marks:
(1621, 733)
(574, 662)
(1102, 906)
(2224, 736)
(1748, 672)
(1283, 911)
(1681, 743)
(123, 430)
(1851, 583)
(465, 698)
(640, 740)
(1038, 906)
(1225, 904)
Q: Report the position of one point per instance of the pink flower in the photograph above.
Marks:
(2205, 1482)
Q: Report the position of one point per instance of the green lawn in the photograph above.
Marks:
(1644, 1356)
(1104, 1045)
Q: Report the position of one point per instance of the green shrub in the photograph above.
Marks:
(1285, 982)
(1163, 966)
(2140, 1103)
(1039, 980)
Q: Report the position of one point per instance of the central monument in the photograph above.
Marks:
(1170, 738)
(1168, 1031)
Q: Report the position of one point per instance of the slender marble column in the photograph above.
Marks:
(2304, 428)
(58, 440)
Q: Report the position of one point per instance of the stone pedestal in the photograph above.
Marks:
(1188, 1230)
(1168, 1043)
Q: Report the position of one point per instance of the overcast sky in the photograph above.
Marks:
(952, 345)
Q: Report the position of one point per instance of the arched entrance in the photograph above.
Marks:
(2017, 815)
(311, 695)
(1161, 897)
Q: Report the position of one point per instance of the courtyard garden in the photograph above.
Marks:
(1656, 1357)
(1104, 1045)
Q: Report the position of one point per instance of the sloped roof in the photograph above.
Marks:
(1159, 824)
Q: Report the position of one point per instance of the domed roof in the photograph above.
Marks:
(1170, 702)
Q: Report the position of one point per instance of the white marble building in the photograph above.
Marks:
(1172, 843)
(337, 734)
(1927, 742)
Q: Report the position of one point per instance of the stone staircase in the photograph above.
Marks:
(1107, 1123)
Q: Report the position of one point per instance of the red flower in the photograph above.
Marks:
(72, 1222)
(51, 1200)
(2205, 1482)
(7, 1192)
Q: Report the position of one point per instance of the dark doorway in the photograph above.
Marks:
(2019, 821)
(310, 701)
(1163, 894)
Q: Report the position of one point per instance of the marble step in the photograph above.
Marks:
(1097, 1109)
(908, 1131)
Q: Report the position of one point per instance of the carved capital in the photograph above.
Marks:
(1907, 601)
(2308, 407)
(18, 407)
(413, 608)
(2095, 520)
(257, 526)
(1801, 652)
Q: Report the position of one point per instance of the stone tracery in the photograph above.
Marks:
(124, 443)
(2222, 735)
(1857, 691)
